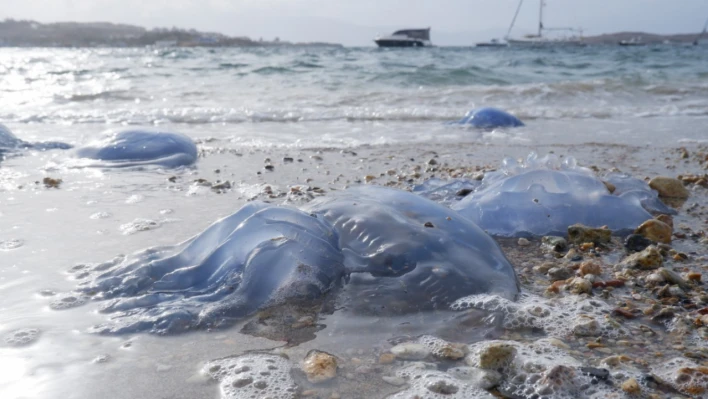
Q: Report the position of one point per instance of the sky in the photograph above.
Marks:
(357, 22)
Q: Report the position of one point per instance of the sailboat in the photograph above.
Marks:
(695, 42)
(539, 39)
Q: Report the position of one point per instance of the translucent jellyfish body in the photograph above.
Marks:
(544, 196)
(132, 148)
(261, 256)
(407, 251)
(10, 142)
(388, 245)
(489, 118)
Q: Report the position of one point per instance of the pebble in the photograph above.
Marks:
(655, 230)
(387, 358)
(636, 242)
(560, 273)
(395, 381)
(649, 258)
(319, 366)
(555, 243)
(496, 356)
(587, 328)
(524, 242)
(50, 182)
(579, 234)
(590, 268)
(580, 286)
(410, 351)
(631, 386)
(673, 277)
(669, 187)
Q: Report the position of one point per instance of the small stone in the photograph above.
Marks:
(557, 244)
(432, 162)
(610, 187)
(483, 379)
(666, 219)
(369, 178)
(410, 351)
(452, 351)
(580, 286)
(631, 386)
(287, 159)
(544, 267)
(673, 277)
(429, 224)
(579, 234)
(442, 387)
(319, 366)
(523, 242)
(586, 327)
(636, 242)
(387, 358)
(590, 268)
(50, 182)
(669, 187)
(221, 186)
(395, 381)
(496, 356)
(694, 276)
(269, 168)
(600, 374)
(560, 273)
(649, 258)
(655, 230)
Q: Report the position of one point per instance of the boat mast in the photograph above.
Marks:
(518, 8)
(540, 17)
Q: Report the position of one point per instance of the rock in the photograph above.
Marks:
(579, 234)
(649, 258)
(673, 277)
(600, 374)
(223, 186)
(692, 379)
(524, 242)
(496, 356)
(319, 366)
(560, 273)
(666, 219)
(655, 230)
(669, 187)
(442, 387)
(580, 285)
(631, 386)
(610, 187)
(395, 381)
(544, 267)
(451, 351)
(590, 268)
(636, 242)
(387, 358)
(586, 327)
(483, 379)
(554, 243)
(50, 182)
(410, 351)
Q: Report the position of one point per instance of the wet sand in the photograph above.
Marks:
(92, 216)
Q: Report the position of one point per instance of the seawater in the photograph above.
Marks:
(240, 104)
(351, 96)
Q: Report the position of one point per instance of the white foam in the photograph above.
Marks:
(557, 316)
(427, 383)
(252, 376)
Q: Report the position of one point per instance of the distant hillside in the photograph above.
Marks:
(648, 38)
(105, 34)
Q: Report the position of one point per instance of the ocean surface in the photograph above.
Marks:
(606, 105)
(350, 96)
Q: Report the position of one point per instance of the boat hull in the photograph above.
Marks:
(399, 43)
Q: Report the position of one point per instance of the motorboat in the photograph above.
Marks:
(406, 38)
(635, 41)
(492, 43)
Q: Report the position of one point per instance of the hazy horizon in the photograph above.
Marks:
(453, 22)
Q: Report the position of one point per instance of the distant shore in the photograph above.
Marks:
(25, 33)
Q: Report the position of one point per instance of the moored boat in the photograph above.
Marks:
(406, 38)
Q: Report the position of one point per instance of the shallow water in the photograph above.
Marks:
(346, 113)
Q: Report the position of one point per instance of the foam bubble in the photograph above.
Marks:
(138, 225)
(22, 337)
(100, 215)
(684, 375)
(67, 302)
(557, 316)
(253, 375)
(425, 382)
